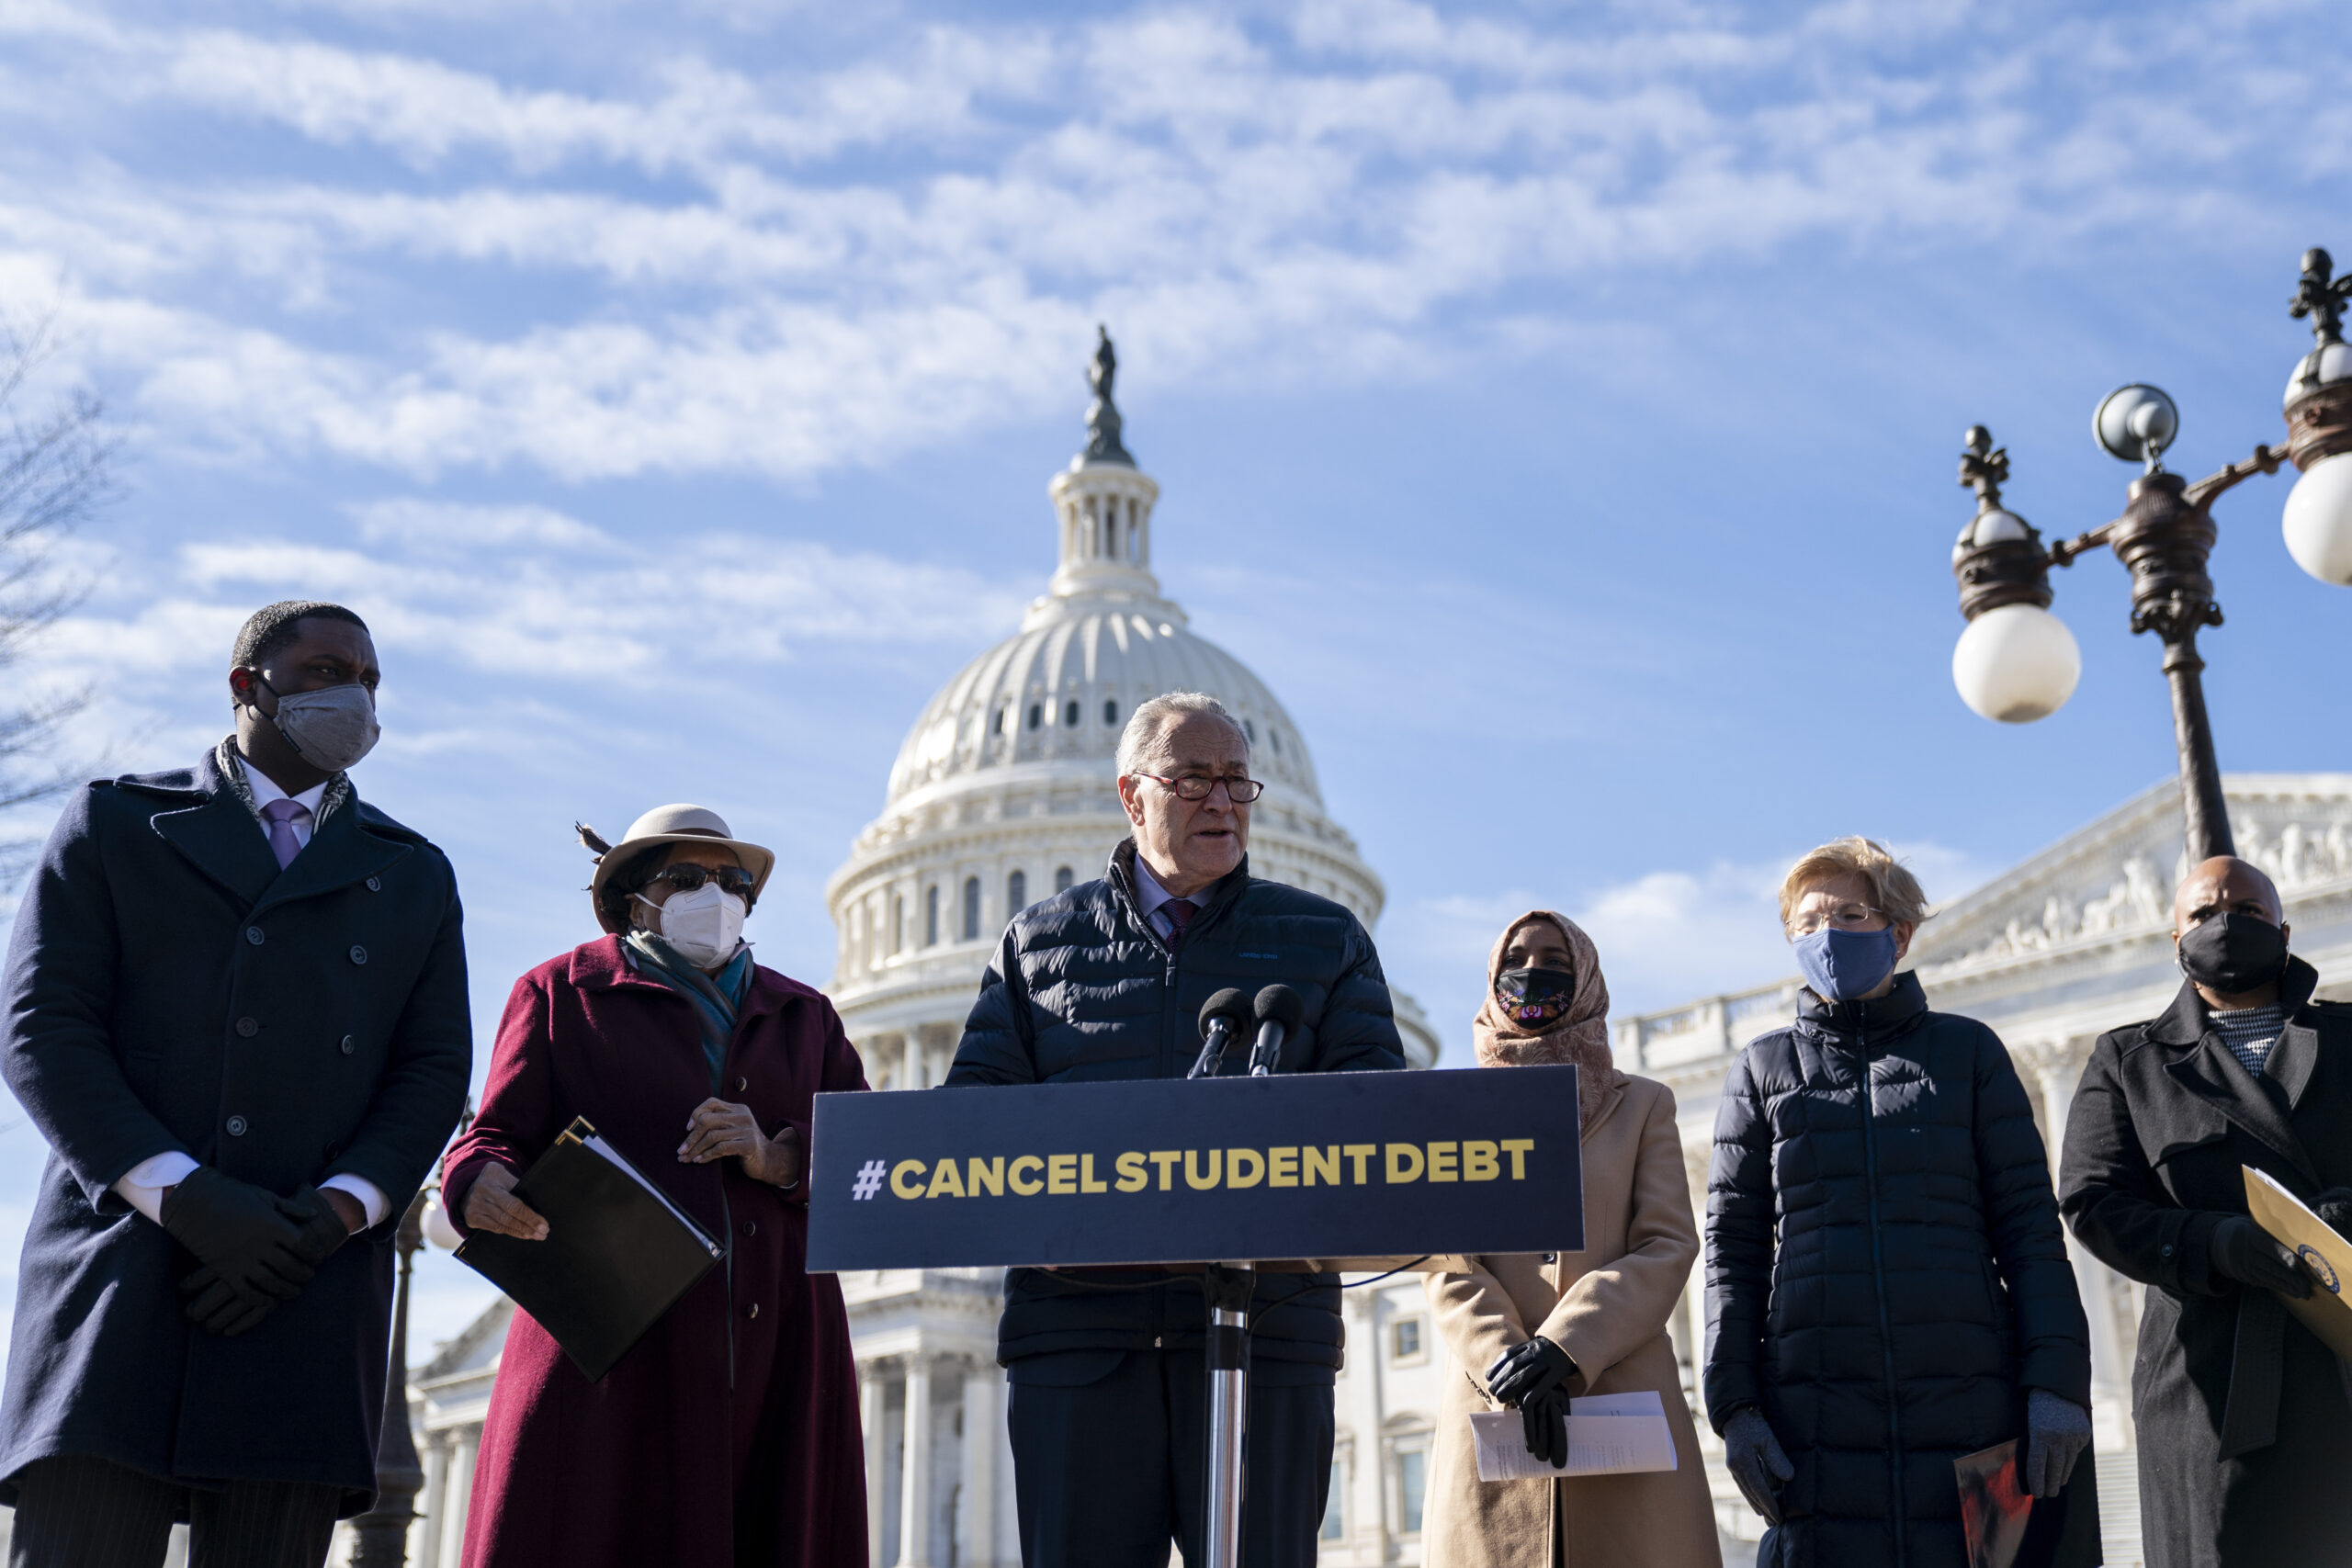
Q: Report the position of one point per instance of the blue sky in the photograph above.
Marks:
(1557, 404)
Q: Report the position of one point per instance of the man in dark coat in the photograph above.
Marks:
(236, 1008)
(1887, 1285)
(2246, 1435)
(1105, 982)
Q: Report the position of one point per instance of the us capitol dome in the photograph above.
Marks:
(1005, 790)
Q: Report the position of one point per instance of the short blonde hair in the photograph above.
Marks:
(1894, 892)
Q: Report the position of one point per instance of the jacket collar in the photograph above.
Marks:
(1862, 1024)
(210, 823)
(1121, 874)
(2209, 1071)
(599, 965)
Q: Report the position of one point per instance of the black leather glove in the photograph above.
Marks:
(2247, 1253)
(252, 1252)
(1524, 1370)
(2335, 1206)
(1543, 1415)
(322, 1228)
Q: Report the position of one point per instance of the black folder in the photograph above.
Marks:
(619, 1252)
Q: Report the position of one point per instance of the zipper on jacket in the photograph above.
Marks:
(1878, 1287)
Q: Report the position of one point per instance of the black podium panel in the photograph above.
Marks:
(1170, 1170)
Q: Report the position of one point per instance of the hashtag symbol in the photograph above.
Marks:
(869, 1180)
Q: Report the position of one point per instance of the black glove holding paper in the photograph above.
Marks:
(2250, 1254)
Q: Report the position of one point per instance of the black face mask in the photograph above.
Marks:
(2233, 953)
(1535, 998)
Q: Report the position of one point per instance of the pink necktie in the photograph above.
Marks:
(282, 815)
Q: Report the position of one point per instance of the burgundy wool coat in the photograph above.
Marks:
(730, 1434)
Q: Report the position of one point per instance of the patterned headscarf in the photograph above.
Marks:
(1581, 1038)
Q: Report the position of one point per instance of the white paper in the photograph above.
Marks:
(1609, 1434)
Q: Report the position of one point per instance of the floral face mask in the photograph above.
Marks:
(1535, 999)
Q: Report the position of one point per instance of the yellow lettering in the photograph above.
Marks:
(1324, 1163)
(1233, 1158)
(1030, 1186)
(1479, 1160)
(1399, 1173)
(1442, 1163)
(986, 1176)
(1061, 1173)
(1517, 1148)
(945, 1182)
(1166, 1160)
(1086, 1182)
(1281, 1168)
(1193, 1177)
(1362, 1154)
(904, 1167)
(1131, 1175)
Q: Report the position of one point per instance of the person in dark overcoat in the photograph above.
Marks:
(1101, 983)
(235, 1006)
(728, 1436)
(1888, 1289)
(2245, 1428)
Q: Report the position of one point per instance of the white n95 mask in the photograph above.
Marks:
(706, 925)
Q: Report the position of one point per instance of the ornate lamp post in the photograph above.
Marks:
(381, 1535)
(2017, 663)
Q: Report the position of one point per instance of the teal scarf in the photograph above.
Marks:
(717, 997)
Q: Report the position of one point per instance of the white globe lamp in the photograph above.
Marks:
(2016, 663)
(2318, 522)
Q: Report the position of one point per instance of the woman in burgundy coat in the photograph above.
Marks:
(728, 1436)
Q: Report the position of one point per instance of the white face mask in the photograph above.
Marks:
(706, 925)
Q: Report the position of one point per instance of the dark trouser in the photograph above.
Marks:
(1109, 1450)
(90, 1513)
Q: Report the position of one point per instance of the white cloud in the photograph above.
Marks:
(718, 268)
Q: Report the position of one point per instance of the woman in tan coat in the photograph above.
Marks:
(1549, 1326)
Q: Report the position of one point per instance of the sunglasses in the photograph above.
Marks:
(687, 878)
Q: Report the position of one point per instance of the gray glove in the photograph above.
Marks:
(2056, 1432)
(1756, 1462)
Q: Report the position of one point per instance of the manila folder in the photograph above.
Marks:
(619, 1252)
(2326, 1257)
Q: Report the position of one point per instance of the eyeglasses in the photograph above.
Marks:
(1192, 786)
(1845, 917)
(686, 877)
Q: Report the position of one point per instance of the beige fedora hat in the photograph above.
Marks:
(678, 824)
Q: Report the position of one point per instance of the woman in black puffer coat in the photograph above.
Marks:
(1887, 1285)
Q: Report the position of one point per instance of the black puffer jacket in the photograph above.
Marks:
(1084, 991)
(1886, 1273)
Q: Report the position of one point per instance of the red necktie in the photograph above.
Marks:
(1179, 913)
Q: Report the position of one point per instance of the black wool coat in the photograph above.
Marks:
(1886, 1278)
(169, 987)
(1083, 990)
(2245, 1436)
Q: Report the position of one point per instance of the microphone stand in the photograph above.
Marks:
(1227, 1287)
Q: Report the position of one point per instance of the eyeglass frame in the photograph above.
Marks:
(702, 873)
(1831, 916)
(1176, 786)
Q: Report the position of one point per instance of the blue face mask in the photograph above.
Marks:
(1842, 965)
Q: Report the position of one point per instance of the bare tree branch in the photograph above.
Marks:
(56, 472)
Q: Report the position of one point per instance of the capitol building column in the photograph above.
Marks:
(914, 1469)
(983, 1434)
(873, 1407)
(2056, 1068)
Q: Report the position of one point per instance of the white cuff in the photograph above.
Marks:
(143, 1185)
(370, 1198)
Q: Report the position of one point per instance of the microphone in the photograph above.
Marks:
(1278, 1012)
(1219, 1015)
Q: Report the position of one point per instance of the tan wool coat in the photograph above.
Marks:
(1607, 1307)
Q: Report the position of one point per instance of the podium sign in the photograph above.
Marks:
(1173, 1170)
